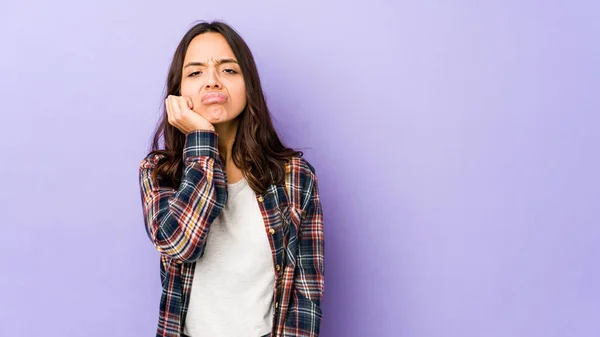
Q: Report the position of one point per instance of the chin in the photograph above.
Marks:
(217, 115)
(220, 115)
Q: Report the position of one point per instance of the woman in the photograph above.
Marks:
(234, 213)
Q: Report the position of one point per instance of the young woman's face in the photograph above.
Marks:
(212, 78)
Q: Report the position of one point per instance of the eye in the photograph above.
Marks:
(230, 71)
(194, 74)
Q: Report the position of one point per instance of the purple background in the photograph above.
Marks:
(456, 144)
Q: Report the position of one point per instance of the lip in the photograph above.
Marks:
(213, 97)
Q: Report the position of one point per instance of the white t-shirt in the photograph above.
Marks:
(232, 289)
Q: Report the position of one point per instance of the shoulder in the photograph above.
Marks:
(298, 167)
(301, 181)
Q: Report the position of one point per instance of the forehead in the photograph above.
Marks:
(208, 46)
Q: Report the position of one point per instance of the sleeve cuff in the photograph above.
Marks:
(201, 143)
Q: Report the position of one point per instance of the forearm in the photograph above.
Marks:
(304, 315)
(178, 220)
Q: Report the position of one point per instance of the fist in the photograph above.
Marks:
(181, 115)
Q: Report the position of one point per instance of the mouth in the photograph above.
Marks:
(213, 98)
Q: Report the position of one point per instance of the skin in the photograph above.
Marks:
(210, 67)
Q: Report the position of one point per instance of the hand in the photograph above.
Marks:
(181, 115)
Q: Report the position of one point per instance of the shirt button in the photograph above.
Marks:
(278, 267)
(276, 305)
(272, 231)
(261, 199)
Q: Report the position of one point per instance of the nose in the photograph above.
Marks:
(212, 80)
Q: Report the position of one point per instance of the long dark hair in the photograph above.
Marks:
(257, 149)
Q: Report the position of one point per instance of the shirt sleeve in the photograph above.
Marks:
(178, 220)
(304, 316)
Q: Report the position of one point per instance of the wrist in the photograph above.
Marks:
(201, 143)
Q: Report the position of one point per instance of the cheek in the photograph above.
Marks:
(239, 95)
(188, 88)
(240, 99)
(196, 101)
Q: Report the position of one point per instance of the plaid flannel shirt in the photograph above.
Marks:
(178, 221)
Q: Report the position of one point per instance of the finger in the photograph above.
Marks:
(174, 116)
(190, 103)
(181, 104)
(169, 107)
(175, 109)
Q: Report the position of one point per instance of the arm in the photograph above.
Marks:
(177, 221)
(304, 316)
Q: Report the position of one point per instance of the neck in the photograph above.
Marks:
(227, 132)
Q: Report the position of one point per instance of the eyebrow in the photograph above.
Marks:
(201, 64)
